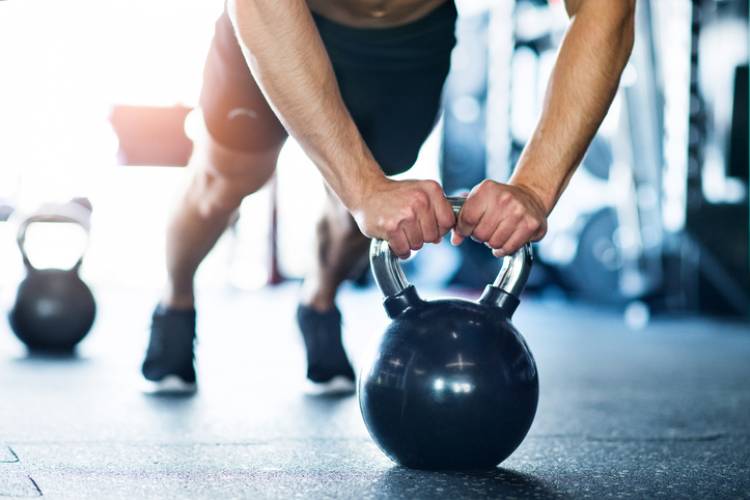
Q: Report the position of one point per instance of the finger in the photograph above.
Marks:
(399, 245)
(519, 237)
(429, 226)
(413, 234)
(456, 239)
(486, 226)
(538, 229)
(502, 233)
(470, 215)
(443, 214)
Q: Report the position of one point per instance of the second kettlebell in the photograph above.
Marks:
(53, 308)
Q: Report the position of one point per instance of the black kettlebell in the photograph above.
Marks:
(53, 309)
(453, 384)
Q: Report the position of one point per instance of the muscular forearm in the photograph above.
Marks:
(584, 81)
(288, 60)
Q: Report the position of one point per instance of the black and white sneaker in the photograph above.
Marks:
(169, 364)
(328, 369)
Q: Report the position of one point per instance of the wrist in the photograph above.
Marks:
(365, 180)
(544, 198)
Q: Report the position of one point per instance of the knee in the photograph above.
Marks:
(222, 182)
(337, 226)
(342, 227)
(213, 195)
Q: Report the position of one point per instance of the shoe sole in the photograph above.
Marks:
(338, 385)
(171, 384)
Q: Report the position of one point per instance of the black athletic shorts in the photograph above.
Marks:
(391, 80)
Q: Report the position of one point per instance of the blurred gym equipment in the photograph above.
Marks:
(636, 225)
(715, 272)
(6, 209)
(151, 135)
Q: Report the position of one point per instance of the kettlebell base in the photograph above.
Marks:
(451, 467)
(52, 353)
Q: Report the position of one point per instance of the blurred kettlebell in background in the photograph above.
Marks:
(53, 308)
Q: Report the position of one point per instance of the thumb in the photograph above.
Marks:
(456, 239)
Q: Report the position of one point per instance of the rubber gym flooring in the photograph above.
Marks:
(658, 413)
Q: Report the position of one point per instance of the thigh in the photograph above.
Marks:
(235, 112)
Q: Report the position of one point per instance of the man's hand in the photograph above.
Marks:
(502, 216)
(407, 214)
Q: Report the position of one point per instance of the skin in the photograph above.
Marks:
(290, 64)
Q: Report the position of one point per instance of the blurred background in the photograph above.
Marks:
(637, 310)
(97, 101)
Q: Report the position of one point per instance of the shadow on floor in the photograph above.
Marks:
(400, 482)
(47, 357)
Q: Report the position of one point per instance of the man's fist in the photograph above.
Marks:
(407, 214)
(502, 216)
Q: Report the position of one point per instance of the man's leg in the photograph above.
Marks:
(341, 250)
(235, 157)
(221, 179)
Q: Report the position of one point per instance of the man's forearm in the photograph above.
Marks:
(584, 81)
(286, 55)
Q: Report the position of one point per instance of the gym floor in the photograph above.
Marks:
(662, 412)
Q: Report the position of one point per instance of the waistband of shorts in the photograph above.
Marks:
(421, 42)
(443, 16)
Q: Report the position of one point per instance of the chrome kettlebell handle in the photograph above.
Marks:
(76, 211)
(505, 291)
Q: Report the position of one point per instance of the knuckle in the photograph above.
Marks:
(407, 215)
(390, 226)
(485, 185)
(420, 199)
(505, 196)
(433, 187)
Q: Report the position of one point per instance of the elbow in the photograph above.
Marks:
(623, 22)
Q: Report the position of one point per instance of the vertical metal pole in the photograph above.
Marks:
(500, 52)
(274, 273)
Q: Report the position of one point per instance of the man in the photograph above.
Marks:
(357, 83)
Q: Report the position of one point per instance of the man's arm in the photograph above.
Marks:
(286, 55)
(582, 85)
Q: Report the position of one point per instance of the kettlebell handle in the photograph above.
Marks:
(399, 294)
(75, 211)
